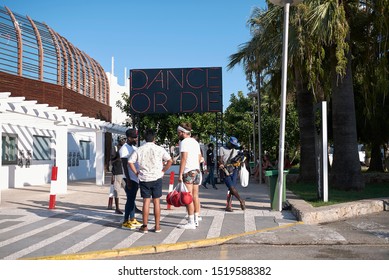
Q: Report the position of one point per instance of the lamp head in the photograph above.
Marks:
(283, 2)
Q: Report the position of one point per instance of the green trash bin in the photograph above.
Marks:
(274, 191)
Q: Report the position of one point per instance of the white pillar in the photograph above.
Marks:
(1, 155)
(100, 148)
(324, 149)
(61, 159)
(284, 78)
(1, 146)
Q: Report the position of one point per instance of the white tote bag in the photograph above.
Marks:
(244, 176)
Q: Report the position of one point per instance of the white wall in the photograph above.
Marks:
(39, 172)
(115, 94)
(83, 169)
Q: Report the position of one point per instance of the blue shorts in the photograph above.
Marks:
(232, 179)
(151, 189)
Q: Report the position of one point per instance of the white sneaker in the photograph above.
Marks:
(199, 219)
(187, 226)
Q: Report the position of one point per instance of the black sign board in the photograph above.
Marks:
(176, 90)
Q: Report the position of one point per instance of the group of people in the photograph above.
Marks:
(122, 177)
(144, 167)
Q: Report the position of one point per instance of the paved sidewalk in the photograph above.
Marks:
(80, 223)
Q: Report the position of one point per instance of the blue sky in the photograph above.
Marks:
(151, 33)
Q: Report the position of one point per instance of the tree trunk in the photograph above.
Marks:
(306, 125)
(346, 169)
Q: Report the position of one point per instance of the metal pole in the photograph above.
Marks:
(259, 128)
(255, 155)
(324, 149)
(280, 180)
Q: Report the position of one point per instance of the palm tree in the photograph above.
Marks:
(263, 54)
(371, 68)
(329, 26)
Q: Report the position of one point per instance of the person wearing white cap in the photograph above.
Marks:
(229, 160)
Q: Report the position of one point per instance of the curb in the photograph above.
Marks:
(308, 214)
(153, 249)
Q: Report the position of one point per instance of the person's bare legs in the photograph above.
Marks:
(145, 210)
(190, 209)
(196, 204)
(196, 201)
(157, 213)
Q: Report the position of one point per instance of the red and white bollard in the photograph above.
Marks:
(54, 173)
(171, 183)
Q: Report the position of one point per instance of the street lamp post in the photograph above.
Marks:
(280, 181)
(259, 127)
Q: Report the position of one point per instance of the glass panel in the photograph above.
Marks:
(85, 149)
(41, 148)
(9, 149)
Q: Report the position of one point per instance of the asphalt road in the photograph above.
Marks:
(362, 238)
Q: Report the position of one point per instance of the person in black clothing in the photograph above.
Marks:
(229, 161)
(210, 167)
(117, 175)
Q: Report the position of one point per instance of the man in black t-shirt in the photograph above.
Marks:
(117, 175)
(210, 167)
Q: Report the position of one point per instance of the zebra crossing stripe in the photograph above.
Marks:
(30, 220)
(83, 244)
(217, 223)
(135, 236)
(249, 221)
(31, 233)
(47, 241)
(175, 234)
(128, 241)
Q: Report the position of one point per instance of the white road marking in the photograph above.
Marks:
(46, 242)
(249, 220)
(217, 223)
(81, 245)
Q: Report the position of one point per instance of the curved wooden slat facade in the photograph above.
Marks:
(38, 63)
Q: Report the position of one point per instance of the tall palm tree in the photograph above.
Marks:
(329, 26)
(263, 54)
(371, 68)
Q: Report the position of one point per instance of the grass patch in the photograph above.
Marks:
(308, 192)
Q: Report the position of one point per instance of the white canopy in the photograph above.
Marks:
(17, 110)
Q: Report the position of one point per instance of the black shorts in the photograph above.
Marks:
(151, 189)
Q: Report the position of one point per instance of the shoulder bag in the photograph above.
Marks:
(244, 176)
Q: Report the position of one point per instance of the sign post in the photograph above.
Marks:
(321, 150)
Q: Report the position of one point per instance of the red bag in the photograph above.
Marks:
(185, 196)
(173, 198)
(170, 197)
(179, 196)
(176, 199)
